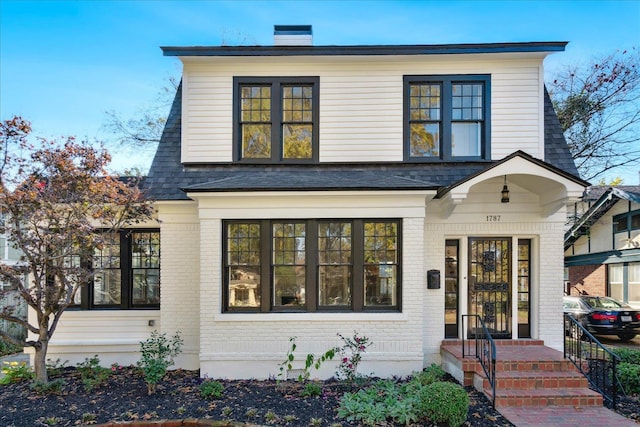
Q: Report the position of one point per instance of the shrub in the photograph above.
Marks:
(628, 355)
(444, 402)
(7, 348)
(157, 354)
(210, 389)
(629, 376)
(429, 375)
(351, 355)
(15, 372)
(92, 374)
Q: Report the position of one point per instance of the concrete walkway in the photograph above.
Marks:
(565, 417)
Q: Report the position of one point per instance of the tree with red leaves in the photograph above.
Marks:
(598, 106)
(60, 205)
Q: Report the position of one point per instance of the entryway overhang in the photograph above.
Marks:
(553, 187)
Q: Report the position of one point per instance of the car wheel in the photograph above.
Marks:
(626, 336)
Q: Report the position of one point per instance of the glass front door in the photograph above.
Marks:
(490, 284)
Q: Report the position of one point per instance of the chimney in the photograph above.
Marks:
(292, 35)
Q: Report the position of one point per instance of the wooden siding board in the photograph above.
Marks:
(356, 97)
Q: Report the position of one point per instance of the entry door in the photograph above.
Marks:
(489, 284)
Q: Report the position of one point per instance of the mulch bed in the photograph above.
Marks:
(124, 398)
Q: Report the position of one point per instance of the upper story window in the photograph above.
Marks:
(276, 119)
(311, 265)
(626, 222)
(447, 118)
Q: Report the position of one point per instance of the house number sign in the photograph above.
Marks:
(493, 218)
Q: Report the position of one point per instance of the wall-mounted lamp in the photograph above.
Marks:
(505, 191)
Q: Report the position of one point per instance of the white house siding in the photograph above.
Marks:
(361, 102)
(114, 335)
(251, 345)
(180, 264)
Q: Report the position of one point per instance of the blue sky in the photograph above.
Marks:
(64, 63)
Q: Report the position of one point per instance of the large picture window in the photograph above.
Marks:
(276, 119)
(127, 272)
(312, 265)
(447, 118)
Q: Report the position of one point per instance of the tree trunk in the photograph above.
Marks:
(40, 361)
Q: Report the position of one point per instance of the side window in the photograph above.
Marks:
(276, 119)
(447, 118)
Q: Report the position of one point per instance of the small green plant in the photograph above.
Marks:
(52, 387)
(270, 417)
(157, 354)
(89, 418)
(311, 389)
(629, 376)
(445, 402)
(251, 413)
(315, 422)
(15, 372)
(290, 418)
(55, 367)
(226, 411)
(351, 355)
(181, 410)
(311, 361)
(92, 374)
(210, 389)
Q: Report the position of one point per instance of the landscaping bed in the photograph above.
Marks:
(123, 397)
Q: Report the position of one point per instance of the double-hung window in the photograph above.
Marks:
(447, 118)
(276, 119)
(311, 265)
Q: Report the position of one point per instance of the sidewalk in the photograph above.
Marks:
(558, 416)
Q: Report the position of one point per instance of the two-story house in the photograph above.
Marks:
(313, 190)
(602, 248)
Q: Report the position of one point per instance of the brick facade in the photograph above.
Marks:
(591, 279)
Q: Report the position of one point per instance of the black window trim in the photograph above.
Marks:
(446, 80)
(276, 84)
(312, 265)
(126, 279)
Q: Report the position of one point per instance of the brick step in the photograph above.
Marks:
(517, 380)
(551, 365)
(575, 397)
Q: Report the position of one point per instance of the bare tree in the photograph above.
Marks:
(598, 107)
(60, 206)
(146, 126)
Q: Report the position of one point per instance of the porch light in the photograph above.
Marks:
(505, 191)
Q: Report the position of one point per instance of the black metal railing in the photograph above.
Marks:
(480, 345)
(596, 362)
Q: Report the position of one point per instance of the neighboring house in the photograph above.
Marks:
(313, 190)
(9, 296)
(602, 248)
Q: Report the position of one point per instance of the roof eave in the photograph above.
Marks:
(439, 49)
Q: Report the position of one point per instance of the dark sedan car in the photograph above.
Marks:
(603, 316)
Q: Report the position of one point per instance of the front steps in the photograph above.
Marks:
(527, 374)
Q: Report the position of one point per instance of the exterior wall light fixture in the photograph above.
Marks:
(505, 191)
